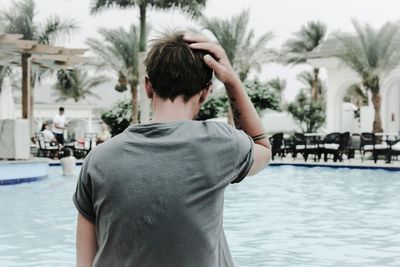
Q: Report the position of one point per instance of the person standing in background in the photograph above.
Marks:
(59, 125)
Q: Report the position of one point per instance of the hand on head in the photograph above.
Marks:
(217, 59)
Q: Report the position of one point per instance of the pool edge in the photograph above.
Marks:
(337, 166)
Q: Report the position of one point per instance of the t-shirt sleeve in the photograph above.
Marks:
(244, 155)
(82, 198)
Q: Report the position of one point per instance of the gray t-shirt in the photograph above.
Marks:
(156, 193)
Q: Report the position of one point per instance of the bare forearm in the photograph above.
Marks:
(86, 242)
(244, 114)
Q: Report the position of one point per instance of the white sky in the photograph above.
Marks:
(283, 17)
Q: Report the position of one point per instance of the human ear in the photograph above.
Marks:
(205, 93)
(148, 88)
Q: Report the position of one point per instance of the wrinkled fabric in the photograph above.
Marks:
(156, 192)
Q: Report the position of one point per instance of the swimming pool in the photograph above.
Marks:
(285, 216)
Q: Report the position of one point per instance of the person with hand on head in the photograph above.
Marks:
(153, 195)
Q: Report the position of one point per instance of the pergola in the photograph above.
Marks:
(27, 53)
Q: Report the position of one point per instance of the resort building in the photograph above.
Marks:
(339, 79)
(83, 116)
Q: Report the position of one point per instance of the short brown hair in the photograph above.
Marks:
(174, 69)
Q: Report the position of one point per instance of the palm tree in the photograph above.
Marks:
(356, 95)
(76, 84)
(118, 52)
(243, 50)
(307, 112)
(20, 19)
(307, 78)
(371, 53)
(304, 41)
(191, 7)
(279, 85)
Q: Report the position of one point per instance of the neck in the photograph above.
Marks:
(167, 111)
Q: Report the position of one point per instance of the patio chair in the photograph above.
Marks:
(46, 149)
(336, 144)
(370, 143)
(277, 145)
(394, 151)
(88, 144)
(289, 145)
(304, 146)
(330, 142)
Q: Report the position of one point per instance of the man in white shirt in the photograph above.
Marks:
(59, 125)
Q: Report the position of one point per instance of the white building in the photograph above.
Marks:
(340, 77)
(83, 116)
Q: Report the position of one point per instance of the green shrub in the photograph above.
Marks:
(118, 117)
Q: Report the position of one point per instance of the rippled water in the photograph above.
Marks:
(285, 216)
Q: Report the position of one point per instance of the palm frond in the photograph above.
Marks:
(371, 52)
(56, 29)
(277, 84)
(244, 51)
(77, 84)
(190, 7)
(304, 41)
(19, 18)
(117, 51)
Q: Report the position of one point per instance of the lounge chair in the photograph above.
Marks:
(88, 144)
(394, 150)
(304, 146)
(336, 144)
(277, 145)
(46, 149)
(371, 143)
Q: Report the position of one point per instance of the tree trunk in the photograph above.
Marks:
(377, 126)
(315, 85)
(142, 37)
(134, 93)
(31, 104)
(142, 48)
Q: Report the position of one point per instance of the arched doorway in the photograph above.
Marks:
(391, 106)
(346, 114)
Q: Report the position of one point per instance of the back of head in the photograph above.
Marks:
(174, 69)
(68, 152)
(44, 125)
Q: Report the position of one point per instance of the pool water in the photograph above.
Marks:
(285, 216)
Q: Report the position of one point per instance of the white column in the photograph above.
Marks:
(333, 108)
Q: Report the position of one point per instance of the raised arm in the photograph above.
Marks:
(244, 113)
